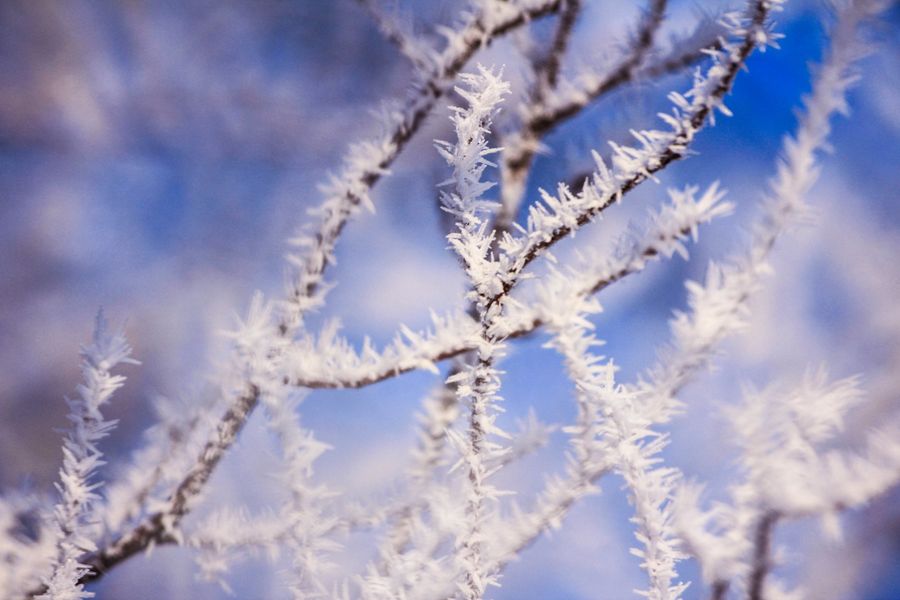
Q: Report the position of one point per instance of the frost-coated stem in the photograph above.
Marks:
(560, 215)
(797, 167)
(329, 361)
(548, 69)
(542, 115)
(718, 306)
(259, 357)
(545, 117)
(160, 527)
(364, 166)
(514, 174)
(620, 430)
(367, 162)
(76, 511)
(478, 383)
(304, 509)
(171, 446)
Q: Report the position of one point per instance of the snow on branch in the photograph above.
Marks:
(558, 216)
(327, 360)
(780, 430)
(367, 162)
(717, 307)
(477, 384)
(544, 109)
(364, 165)
(612, 431)
(76, 510)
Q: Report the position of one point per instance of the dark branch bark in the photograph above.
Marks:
(762, 562)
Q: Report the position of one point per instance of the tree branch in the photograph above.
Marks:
(345, 200)
(521, 149)
(762, 546)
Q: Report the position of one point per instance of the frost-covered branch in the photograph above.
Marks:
(170, 448)
(547, 70)
(301, 526)
(261, 354)
(663, 236)
(367, 162)
(718, 308)
(161, 526)
(477, 383)
(513, 176)
(560, 215)
(410, 544)
(545, 116)
(240, 395)
(623, 432)
(545, 110)
(76, 511)
(304, 510)
(782, 432)
(327, 360)
(364, 166)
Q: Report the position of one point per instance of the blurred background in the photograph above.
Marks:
(155, 156)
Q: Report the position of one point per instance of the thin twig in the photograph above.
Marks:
(762, 562)
(543, 118)
(546, 72)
